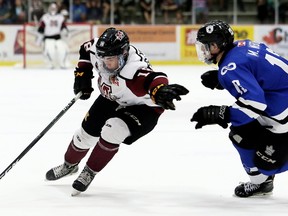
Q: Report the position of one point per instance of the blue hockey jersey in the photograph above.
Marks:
(258, 78)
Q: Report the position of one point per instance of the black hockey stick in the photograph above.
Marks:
(63, 111)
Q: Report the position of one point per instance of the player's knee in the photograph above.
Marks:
(83, 140)
(240, 141)
(115, 131)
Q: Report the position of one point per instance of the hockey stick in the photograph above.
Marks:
(63, 111)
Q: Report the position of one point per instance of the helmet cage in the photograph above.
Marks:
(217, 32)
(104, 68)
(203, 52)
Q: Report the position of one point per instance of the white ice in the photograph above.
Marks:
(173, 171)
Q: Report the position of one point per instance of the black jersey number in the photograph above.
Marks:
(142, 56)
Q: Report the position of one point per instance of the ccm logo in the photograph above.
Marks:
(263, 157)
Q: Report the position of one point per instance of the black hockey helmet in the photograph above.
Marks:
(112, 42)
(218, 32)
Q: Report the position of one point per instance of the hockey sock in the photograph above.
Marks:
(102, 153)
(73, 154)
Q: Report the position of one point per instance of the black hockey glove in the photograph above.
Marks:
(210, 80)
(211, 115)
(163, 95)
(83, 83)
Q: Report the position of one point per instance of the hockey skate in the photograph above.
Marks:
(249, 189)
(60, 171)
(83, 181)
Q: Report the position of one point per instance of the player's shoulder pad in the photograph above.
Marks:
(131, 67)
(88, 46)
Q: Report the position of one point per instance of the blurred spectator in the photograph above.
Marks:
(107, 10)
(146, 10)
(66, 3)
(169, 8)
(223, 4)
(62, 5)
(240, 4)
(265, 11)
(117, 14)
(5, 12)
(262, 10)
(128, 11)
(94, 11)
(201, 11)
(19, 12)
(37, 10)
(79, 11)
(283, 9)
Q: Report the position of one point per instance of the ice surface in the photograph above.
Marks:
(173, 171)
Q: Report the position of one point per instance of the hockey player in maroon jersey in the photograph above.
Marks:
(132, 98)
(51, 28)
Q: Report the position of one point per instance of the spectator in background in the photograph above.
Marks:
(19, 12)
(94, 11)
(107, 9)
(146, 10)
(79, 11)
(283, 9)
(117, 14)
(223, 4)
(170, 7)
(37, 10)
(201, 11)
(5, 12)
(265, 11)
(262, 10)
(61, 5)
(127, 11)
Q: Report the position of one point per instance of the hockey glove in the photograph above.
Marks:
(163, 95)
(211, 115)
(83, 83)
(210, 80)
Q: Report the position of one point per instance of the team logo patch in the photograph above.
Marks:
(241, 43)
(102, 43)
(269, 150)
(119, 35)
(114, 80)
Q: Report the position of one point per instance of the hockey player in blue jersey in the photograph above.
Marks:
(257, 78)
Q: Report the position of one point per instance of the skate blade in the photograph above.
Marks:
(257, 195)
(75, 192)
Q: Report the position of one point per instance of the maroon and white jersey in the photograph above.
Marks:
(132, 85)
(52, 25)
